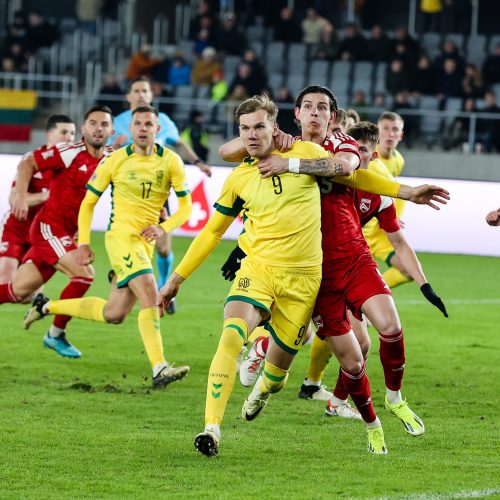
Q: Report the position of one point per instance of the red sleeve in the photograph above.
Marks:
(388, 219)
(48, 159)
(343, 143)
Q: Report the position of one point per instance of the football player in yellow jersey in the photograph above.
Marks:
(280, 277)
(141, 176)
(390, 126)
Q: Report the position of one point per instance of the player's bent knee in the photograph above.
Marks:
(365, 347)
(234, 335)
(353, 366)
(114, 317)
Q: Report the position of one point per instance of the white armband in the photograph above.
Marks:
(294, 165)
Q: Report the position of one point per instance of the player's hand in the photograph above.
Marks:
(84, 255)
(493, 218)
(429, 195)
(163, 214)
(433, 298)
(283, 141)
(233, 264)
(120, 140)
(273, 165)
(152, 233)
(169, 291)
(19, 207)
(204, 168)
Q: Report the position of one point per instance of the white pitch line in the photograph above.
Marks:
(418, 302)
(447, 496)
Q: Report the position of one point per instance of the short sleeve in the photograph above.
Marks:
(229, 203)
(102, 176)
(169, 133)
(387, 217)
(49, 159)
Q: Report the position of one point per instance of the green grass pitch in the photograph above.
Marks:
(93, 428)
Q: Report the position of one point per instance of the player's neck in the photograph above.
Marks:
(93, 151)
(385, 152)
(317, 139)
(144, 151)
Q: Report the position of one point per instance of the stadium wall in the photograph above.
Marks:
(459, 227)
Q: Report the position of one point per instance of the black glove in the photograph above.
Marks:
(232, 264)
(433, 298)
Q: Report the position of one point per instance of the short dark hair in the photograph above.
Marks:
(256, 103)
(317, 89)
(145, 109)
(53, 120)
(138, 79)
(98, 107)
(364, 131)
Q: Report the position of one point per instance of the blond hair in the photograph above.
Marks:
(256, 103)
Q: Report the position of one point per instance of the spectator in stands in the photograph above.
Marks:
(458, 133)
(354, 46)
(205, 37)
(205, 67)
(160, 92)
(287, 29)
(17, 31)
(449, 80)
(236, 97)
(40, 32)
(424, 79)
(450, 51)
(179, 72)
(258, 70)
(111, 87)
(488, 130)
(142, 64)
(286, 117)
(397, 78)
(8, 65)
(87, 12)
(328, 46)
(199, 21)
(218, 93)
(472, 83)
(403, 102)
(491, 67)
(196, 136)
(230, 40)
(431, 11)
(312, 27)
(19, 57)
(379, 45)
(380, 104)
(403, 46)
(456, 15)
(244, 78)
(359, 102)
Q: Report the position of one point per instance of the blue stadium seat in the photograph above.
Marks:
(475, 49)
(318, 73)
(431, 43)
(275, 81)
(230, 65)
(295, 83)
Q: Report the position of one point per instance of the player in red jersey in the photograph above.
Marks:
(14, 234)
(53, 229)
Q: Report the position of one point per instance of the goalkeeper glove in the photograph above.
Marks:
(433, 298)
(233, 264)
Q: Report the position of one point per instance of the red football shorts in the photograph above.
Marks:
(346, 283)
(14, 239)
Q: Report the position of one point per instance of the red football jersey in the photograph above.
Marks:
(371, 205)
(340, 226)
(72, 167)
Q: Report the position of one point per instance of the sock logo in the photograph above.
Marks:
(216, 395)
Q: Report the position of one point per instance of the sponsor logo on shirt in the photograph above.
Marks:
(243, 283)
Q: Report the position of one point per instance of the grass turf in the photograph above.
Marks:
(93, 427)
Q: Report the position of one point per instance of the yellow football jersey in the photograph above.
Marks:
(139, 185)
(281, 214)
(395, 163)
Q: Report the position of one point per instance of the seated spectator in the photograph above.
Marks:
(379, 45)
(397, 78)
(472, 83)
(8, 65)
(179, 72)
(198, 22)
(424, 80)
(491, 67)
(449, 80)
(161, 92)
(351, 118)
(287, 28)
(258, 70)
(19, 57)
(236, 97)
(196, 136)
(458, 133)
(111, 87)
(244, 78)
(403, 46)
(205, 67)
(380, 104)
(286, 117)
(39, 32)
(487, 129)
(206, 35)
(354, 46)
(229, 39)
(142, 64)
(359, 102)
(403, 102)
(312, 27)
(328, 46)
(450, 51)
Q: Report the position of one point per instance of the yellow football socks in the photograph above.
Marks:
(393, 277)
(223, 369)
(260, 331)
(149, 327)
(318, 359)
(272, 379)
(91, 308)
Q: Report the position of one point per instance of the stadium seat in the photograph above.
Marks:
(182, 109)
(318, 73)
(258, 47)
(457, 39)
(475, 49)
(275, 60)
(186, 47)
(453, 104)
(363, 78)
(380, 77)
(430, 123)
(230, 65)
(494, 41)
(275, 81)
(296, 52)
(255, 33)
(496, 89)
(431, 43)
(295, 83)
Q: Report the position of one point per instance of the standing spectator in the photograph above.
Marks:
(195, 135)
(258, 71)
(87, 12)
(287, 29)
(379, 45)
(397, 78)
(179, 72)
(424, 81)
(354, 46)
(449, 80)
(205, 67)
(230, 40)
(431, 15)
(472, 84)
(111, 87)
(328, 47)
(491, 67)
(40, 33)
(402, 102)
(142, 64)
(312, 27)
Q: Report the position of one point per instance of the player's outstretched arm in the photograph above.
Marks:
(426, 194)
(168, 291)
(192, 157)
(341, 164)
(493, 218)
(407, 257)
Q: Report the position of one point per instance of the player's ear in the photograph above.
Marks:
(296, 112)
(374, 156)
(128, 98)
(276, 129)
(158, 128)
